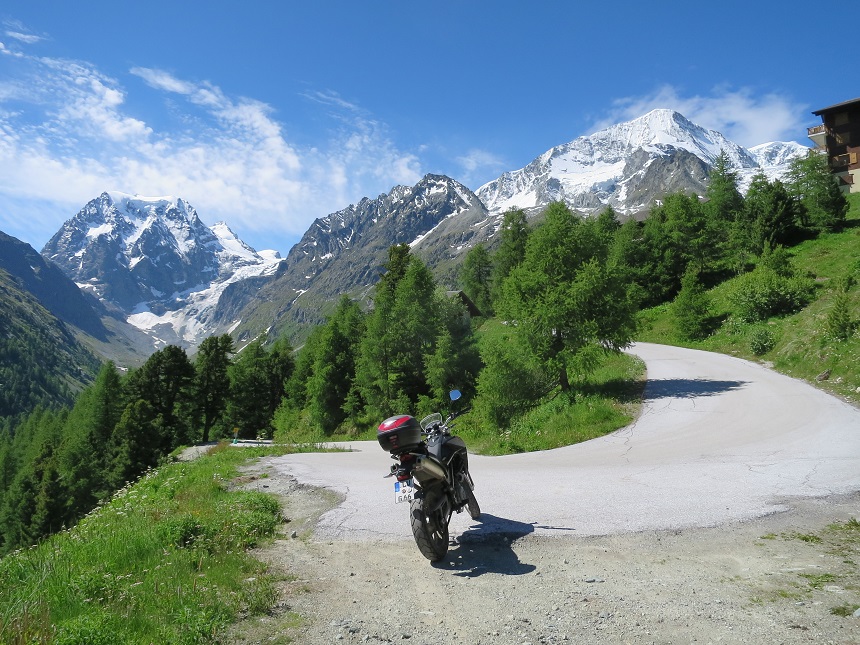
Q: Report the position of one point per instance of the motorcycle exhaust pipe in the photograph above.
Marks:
(426, 469)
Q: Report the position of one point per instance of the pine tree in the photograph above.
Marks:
(375, 370)
(455, 361)
(692, 308)
(769, 214)
(135, 443)
(333, 377)
(85, 456)
(282, 364)
(248, 408)
(724, 198)
(723, 207)
(35, 502)
(296, 387)
(608, 224)
(414, 333)
(166, 381)
(49, 508)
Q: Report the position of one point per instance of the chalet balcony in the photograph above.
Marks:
(840, 161)
(818, 134)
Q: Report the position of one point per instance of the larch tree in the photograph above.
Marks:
(569, 306)
(476, 277)
(822, 205)
(513, 234)
(212, 382)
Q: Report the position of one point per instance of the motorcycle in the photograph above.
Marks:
(431, 473)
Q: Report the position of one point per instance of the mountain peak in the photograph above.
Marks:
(627, 165)
(150, 257)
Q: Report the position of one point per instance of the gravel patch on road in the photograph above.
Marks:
(777, 579)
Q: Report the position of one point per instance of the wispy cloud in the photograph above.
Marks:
(740, 114)
(71, 135)
(480, 163)
(331, 98)
(17, 31)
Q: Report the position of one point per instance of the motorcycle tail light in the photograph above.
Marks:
(404, 472)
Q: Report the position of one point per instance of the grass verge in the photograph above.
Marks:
(164, 561)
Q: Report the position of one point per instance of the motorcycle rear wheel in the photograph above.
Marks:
(430, 530)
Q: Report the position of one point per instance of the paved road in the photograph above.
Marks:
(719, 439)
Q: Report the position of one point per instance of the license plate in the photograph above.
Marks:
(403, 491)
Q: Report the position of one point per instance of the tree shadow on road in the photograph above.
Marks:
(686, 388)
(487, 547)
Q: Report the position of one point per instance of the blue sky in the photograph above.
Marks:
(267, 115)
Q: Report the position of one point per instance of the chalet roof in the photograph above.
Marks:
(838, 106)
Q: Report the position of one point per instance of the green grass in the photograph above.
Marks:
(800, 343)
(608, 400)
(164, 561)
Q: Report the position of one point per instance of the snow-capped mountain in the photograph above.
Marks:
(630, 165)
(776, 155)
(154, 260)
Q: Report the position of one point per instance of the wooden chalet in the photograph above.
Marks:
(839, 136)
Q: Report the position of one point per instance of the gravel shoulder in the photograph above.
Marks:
(771, 580)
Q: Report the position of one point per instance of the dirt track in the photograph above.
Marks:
(762, 582)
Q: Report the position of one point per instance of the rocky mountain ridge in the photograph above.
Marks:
(344, 252)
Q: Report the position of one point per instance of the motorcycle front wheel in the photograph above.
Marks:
(430, 530)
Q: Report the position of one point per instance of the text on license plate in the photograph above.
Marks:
(403, 491)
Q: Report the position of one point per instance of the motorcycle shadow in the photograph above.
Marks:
(486, 547)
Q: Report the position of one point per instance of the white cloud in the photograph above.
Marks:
(740, 114)
(162, 80)
(71, 136)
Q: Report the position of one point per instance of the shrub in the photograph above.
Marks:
(762, 340)
(182, 530)
(692, 308)
(763, 293)
(510, 383)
